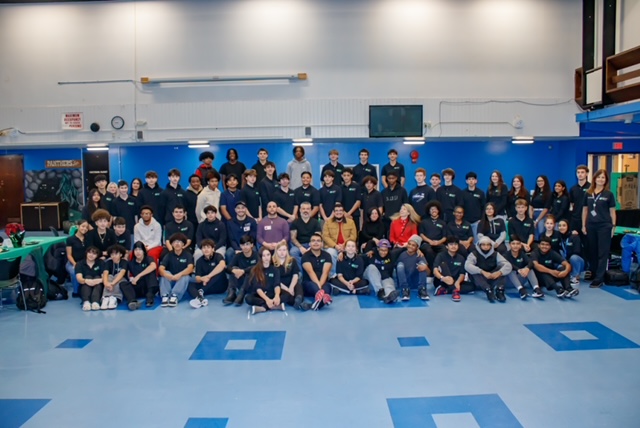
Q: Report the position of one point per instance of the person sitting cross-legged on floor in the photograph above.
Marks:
(115, 273)
(522, 269)
(89, 276)
(552, 269)
(238, 269)
(379, 272)
(291, 292)
(263, 285)
(488, 269)
(412, 269)
(174, 271)
(316, 265)
(350, 272)
(211, 277)
(449, 273)
(142, 278)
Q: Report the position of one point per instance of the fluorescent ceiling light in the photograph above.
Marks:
(198, 144)
(98, 148)
(302, 142)
(522, 140)
(414, 141)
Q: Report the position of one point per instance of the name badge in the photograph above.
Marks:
(267, 227)
(594, 213)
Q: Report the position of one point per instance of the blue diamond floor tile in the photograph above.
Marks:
(626, 293)
(558, 336)
(74, 343)
(267, 345)
(412, 341)
(16, 412)
(206, 423)
(488, 410)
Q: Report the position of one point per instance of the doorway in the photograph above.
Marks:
(623, 171)
(11, 188)
(94, 163)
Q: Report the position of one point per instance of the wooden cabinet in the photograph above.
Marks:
(43, 215)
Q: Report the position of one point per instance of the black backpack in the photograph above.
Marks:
(616, 277)
(34, 294)
(55, 260)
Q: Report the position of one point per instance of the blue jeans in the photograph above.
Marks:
(410, 275)
(540, 227)
(178, 287)
(296, 254)
(72, 274)
(577, 264)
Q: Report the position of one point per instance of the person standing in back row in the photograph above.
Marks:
(296, 167)
(598, 224)
(364, 168)
(449, 195)
(576, 201)
(393, 165)
(232, 166)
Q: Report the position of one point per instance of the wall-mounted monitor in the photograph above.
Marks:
(395, 121)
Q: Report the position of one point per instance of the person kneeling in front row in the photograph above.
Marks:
(488, 269)
(178, 260)
(210, 275)
(449, 273)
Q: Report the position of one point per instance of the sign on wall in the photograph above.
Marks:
(72, 121)
(72, 163)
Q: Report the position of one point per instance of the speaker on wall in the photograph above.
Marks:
(140, 135)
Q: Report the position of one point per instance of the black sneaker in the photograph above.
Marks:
(523, 293)
(537, 293)
(490, 296)
(596, 284)
(380, 294)
(572, 292)
(588, 275)
(406, 294)
(297, 303)
(305, 306)
(560, 292)
(423, 294)
(391, 297)
(239, 298)
(500, 295)
(230, 297)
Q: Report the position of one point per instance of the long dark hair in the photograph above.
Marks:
(545, 191)
(564, 189)
(90, 204)
(139, 244)
(140, 187)
(484, 222)
(522, 193)
(257, 272)
(496, 188)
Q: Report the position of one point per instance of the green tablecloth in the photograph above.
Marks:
(37, 250)
(624, 230)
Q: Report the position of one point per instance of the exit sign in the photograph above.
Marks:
(618, 146)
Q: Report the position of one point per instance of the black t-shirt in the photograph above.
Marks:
(398, 167)
(350, 195)
(205, 266)
(260, 171)
(329, 196)
(310, 194)
(304, 231)
(361, 171)
(88, 272)
(461, 231)
(114, 268)
(522, 260)
(576, 197)
(371, 199)
(185, 227)
(433, 229)
(393, 199)
(251, 197)
(473, 202)
(101, 241)
(556, 240)
(285, 200)
(239, 261)
(124, 240)
(550, 260)
(539, 201)
(287, 272)
(383, 264)
(600, 205)
(317, 263)
(449, 197)
(522, 228)
(337, 170)
(176, 264)
(135, 267)
(237, 168)
(272, 280)
(78, 248)
(419, 197)
(498, 196)
(351, 268)
(126, 209)
(455, 263)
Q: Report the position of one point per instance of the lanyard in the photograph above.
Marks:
(595, 199)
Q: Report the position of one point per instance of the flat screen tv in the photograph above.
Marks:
(395, 121)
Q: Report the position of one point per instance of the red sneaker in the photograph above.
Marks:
(326, 299)
(456, 296)
(319, 299)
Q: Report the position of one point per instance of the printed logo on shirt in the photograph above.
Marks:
(183, 229)
(520, 260)
(270, 275)
(527, 224)
(130, 204)
(418, 197)
(475, 195)
(179, 195)
(465, 227)
(439, 225)
(457, 263)
(451, 195)
(96, 268)
(182, 260)
(354, 265)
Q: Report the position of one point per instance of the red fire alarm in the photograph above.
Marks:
(618, 145)
(414, 156)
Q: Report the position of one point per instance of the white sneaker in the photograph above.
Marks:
(195, 303)
(113, 302)
(165, 301)
(105, 303)
(95, 306)
(173, 301)
(204, 302)
(86, 306)
(575, 280)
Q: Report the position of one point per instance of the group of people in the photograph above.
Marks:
(273, 240)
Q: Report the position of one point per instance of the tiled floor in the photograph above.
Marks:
(357, 363)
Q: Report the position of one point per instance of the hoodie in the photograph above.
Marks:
(490, 261)
(295, 168)
(205, 198)
(150, 235)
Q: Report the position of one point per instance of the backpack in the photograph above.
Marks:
(56, 291)
(55, 260)
(616, 277)
(34, 294)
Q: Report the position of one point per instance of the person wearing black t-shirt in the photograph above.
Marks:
(307, 193)
(178, 225)
(334, 166)
(449, 195)
(76, 250)
(350, 273)
(285, 199)
(261, 166)
(393, 197)
(461, 229)
(560, 203)
(330, 195)
(210, 275)
(371, 198)
(448, 272)
(522, 225)
(174, 271)
(421, 194)
(237, 269)
(268, 185)
(232, 166)
(552, 270)
(498, 194)
(364, 169)
(150, 194)
(212, 229)
(473, 201)
(263, 285)
(316, 265)
(576, 201)
(598, 224)
(172, 196)
(433, 233)
(250, 195)
(123, 237)
(101, 237)
(89, 275)
(522, 269)
(142, 278)
(125, 206)
(290, 282)
(351, 196)
(301, 231)
(540, 204)
(115, 272)
(395, 166)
